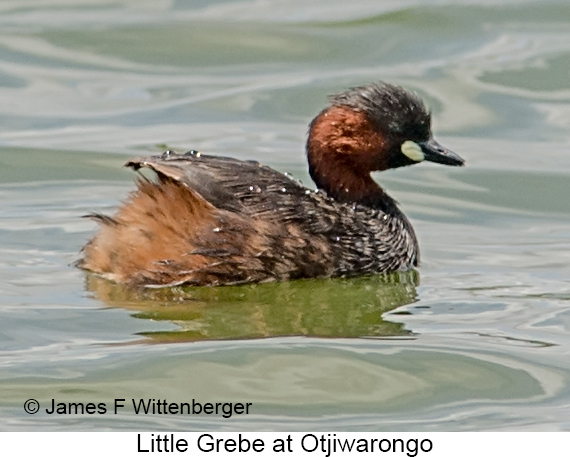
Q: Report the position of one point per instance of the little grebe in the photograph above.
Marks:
(215, 220)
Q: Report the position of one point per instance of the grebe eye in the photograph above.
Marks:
(413, 151)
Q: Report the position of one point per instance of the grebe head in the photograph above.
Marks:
(370, 128)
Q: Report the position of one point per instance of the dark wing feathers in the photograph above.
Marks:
(232, 185)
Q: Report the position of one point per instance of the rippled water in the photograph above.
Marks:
(478, 339)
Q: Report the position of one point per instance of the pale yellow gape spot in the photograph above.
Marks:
(413, 151)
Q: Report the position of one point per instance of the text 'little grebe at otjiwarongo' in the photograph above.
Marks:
(214, 220)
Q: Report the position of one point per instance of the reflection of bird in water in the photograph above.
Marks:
(340, 308)
(212, 220)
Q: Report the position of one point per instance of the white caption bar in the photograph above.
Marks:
(315, 444)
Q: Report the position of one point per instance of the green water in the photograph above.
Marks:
(477, 339)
